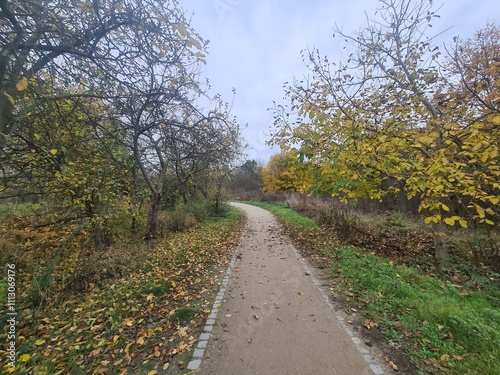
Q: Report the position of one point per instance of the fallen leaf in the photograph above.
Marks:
(152, 372)
(24, 358)
(369, 324)
(127, 348)
(228, 315)
(128, 322)
(256, 317)
(39, 342)
(393, 366)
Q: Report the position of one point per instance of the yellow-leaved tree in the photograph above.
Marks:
(396, 118)
(279, 174)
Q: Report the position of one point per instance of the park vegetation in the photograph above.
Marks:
(392, 156)
(401, 116)
(110, 144)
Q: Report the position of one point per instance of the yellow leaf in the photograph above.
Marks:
(152, 372)
(11, 99)
(480, 211)
(140, 341)
(115, 338)
(445, 207)
(39, 342)
(485, 156)
(53, 151)
(24, 358)
(494, 153)
(22, 84)
(496, 120)
(128, 322)
(165, 366)
(127, 348)
(463, 223)
(449, 221)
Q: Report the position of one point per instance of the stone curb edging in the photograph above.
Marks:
(199, 351)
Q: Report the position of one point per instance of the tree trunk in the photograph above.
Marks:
(7, 127)
(441, 250)
(151, 226)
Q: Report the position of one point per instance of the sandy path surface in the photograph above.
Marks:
(275, 320)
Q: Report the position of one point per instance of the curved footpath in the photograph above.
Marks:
(275, 318)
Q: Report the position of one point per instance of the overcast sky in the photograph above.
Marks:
(255, 46)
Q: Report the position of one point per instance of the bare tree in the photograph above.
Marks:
(86, 45)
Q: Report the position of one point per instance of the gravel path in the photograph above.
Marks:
(275, 318)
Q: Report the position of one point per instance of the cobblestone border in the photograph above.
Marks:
(199, 351)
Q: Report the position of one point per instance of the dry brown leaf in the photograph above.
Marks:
(393, 366)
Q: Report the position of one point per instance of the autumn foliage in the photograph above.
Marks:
(141, 315)
(279, 175)
(397, 117)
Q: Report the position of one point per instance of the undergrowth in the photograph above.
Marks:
(139, 320)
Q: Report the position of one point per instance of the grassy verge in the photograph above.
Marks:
(287, 216)
(440, 325)
(138, 323)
